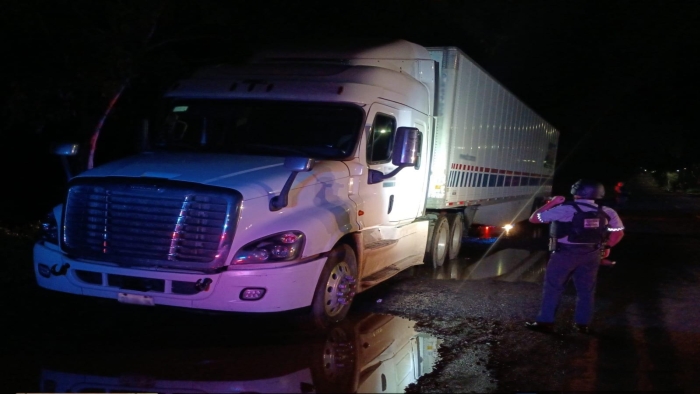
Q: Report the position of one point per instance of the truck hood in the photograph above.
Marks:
(252, 176)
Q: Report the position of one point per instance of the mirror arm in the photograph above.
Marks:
(280, 201)
(66, 167)
(295, 165)
(377, 176)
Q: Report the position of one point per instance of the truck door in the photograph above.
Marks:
(397, 199)
(411, 183)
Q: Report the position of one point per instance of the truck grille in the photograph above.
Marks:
(147, 222)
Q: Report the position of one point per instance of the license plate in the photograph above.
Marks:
(135, 299)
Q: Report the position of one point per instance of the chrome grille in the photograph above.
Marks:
(149, 222)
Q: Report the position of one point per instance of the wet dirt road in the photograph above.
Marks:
(455, 329)
(647, 321)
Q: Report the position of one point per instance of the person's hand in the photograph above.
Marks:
(606, 253)
(556, 200)
(549, 204)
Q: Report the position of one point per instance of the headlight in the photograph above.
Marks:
(276, 248)
(49, 229)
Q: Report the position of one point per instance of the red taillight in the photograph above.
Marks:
(486, 231)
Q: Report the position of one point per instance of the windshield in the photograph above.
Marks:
(318, 130)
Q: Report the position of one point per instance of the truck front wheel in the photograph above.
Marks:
(336, 287)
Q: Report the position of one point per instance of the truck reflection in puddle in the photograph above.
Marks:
(369, 353)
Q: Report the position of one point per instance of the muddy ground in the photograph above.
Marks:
(646, 327)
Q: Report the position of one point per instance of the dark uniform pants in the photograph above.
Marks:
(579, 262)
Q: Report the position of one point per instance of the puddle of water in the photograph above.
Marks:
(509, 264)
(370, 353)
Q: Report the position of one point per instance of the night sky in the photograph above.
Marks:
(619, 79)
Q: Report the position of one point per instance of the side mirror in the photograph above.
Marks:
(298, 164)
(407, 147)
(406, 153)
(66, 149)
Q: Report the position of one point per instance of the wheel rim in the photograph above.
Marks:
(336, 354)
(340, 289)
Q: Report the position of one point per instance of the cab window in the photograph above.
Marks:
(381, 138)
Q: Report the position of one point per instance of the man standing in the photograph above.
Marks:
(581, 233)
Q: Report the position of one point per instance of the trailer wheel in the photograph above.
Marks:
(436, 253)
(456, 221)
(336, 287)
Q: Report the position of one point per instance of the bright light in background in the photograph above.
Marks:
(508, 227)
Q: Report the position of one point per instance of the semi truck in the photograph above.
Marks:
(299, 179)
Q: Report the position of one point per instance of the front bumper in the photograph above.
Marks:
(285, 288)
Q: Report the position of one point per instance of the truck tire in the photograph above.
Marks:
(456, 221)
(334, 361)
(336, 287)
(436, 252)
